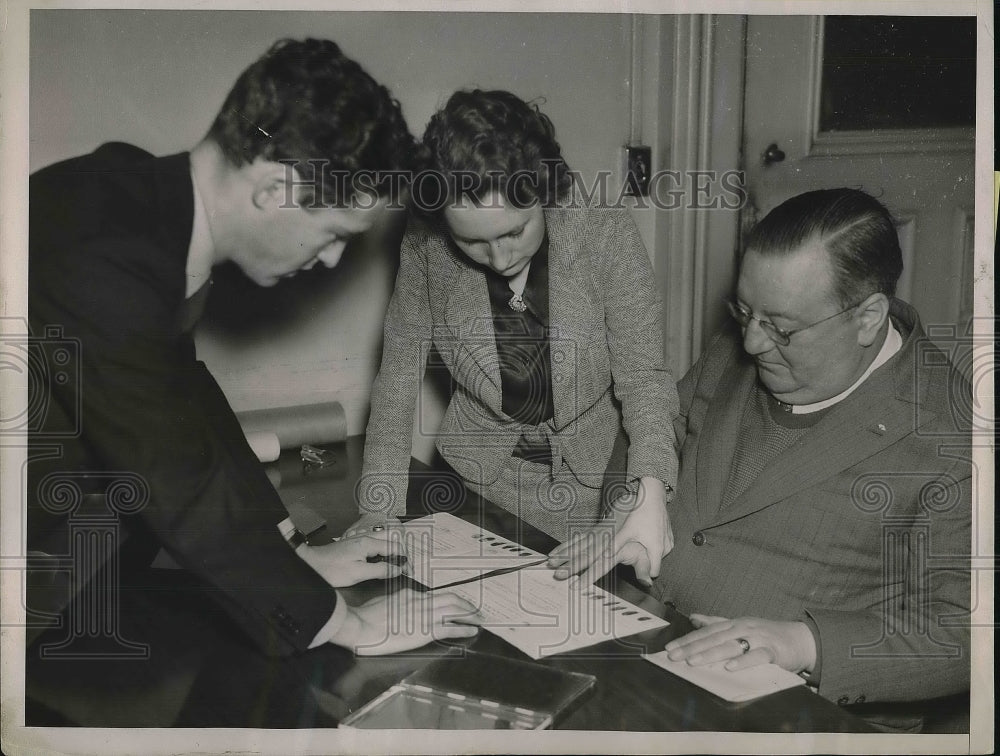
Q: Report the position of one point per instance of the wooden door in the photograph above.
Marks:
(917, 160)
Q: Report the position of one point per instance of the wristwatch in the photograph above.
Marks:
(292, 534)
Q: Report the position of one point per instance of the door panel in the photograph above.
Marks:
(924, 176)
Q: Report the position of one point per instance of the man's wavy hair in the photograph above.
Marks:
(855, 229)
(483, 142)
(307, 104)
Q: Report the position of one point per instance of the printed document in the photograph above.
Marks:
(527, 606)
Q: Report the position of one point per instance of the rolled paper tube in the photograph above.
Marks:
(265, 445)
(322, 423)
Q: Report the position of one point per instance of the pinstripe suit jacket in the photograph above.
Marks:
(863, 525)
(606, 358)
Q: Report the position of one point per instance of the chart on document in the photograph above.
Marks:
(444, 549)
(526, 606)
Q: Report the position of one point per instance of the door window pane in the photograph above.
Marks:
(882, 72)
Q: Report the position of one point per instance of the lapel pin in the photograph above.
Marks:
(879, 428)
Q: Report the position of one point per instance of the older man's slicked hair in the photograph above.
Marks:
(854, 227)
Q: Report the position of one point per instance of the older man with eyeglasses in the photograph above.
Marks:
(822, 516)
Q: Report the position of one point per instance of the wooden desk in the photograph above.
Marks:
(203, 673)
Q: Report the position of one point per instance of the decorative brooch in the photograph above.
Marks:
(516, 303)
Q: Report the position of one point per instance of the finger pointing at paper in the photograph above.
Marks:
(638, 534)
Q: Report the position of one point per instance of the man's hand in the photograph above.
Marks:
(790, 645)
(367, 522)
(405, 620)
(638, 534)
(346, 562)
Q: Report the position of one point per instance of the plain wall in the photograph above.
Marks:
(156, 79)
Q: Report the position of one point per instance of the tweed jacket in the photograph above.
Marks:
(606, 358)
(109, 240)
(863, 525)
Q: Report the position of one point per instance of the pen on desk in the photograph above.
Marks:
(468, 623)
(505, 570)
(491, 573)
(397, 560)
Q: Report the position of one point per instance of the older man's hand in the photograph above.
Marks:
(790, 645)
(638, 533)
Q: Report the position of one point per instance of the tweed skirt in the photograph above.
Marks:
(558, 502)
(555, 504)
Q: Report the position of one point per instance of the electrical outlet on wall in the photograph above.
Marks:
(638, 167)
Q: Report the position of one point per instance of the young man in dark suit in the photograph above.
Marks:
(122, 245)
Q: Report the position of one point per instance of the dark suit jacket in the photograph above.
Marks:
(607, 360)
(863, 525)
(109, 236)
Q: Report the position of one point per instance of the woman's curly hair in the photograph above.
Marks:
(483, 142)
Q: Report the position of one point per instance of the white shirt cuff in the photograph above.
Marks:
(287, 529)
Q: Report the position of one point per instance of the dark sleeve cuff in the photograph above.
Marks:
(813, 677)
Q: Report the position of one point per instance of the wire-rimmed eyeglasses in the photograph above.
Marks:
(777, 334)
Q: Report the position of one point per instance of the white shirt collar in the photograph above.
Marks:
(892, 344)
(200, 257)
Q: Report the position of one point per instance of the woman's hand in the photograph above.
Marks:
(345, 562)
(405, 620)
(638, 533)
(790, 645)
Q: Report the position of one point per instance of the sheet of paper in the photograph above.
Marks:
(444, 549)
(543, 616)
(528, 608)
(743, 685)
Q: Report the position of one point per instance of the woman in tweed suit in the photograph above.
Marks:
(545, 312)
